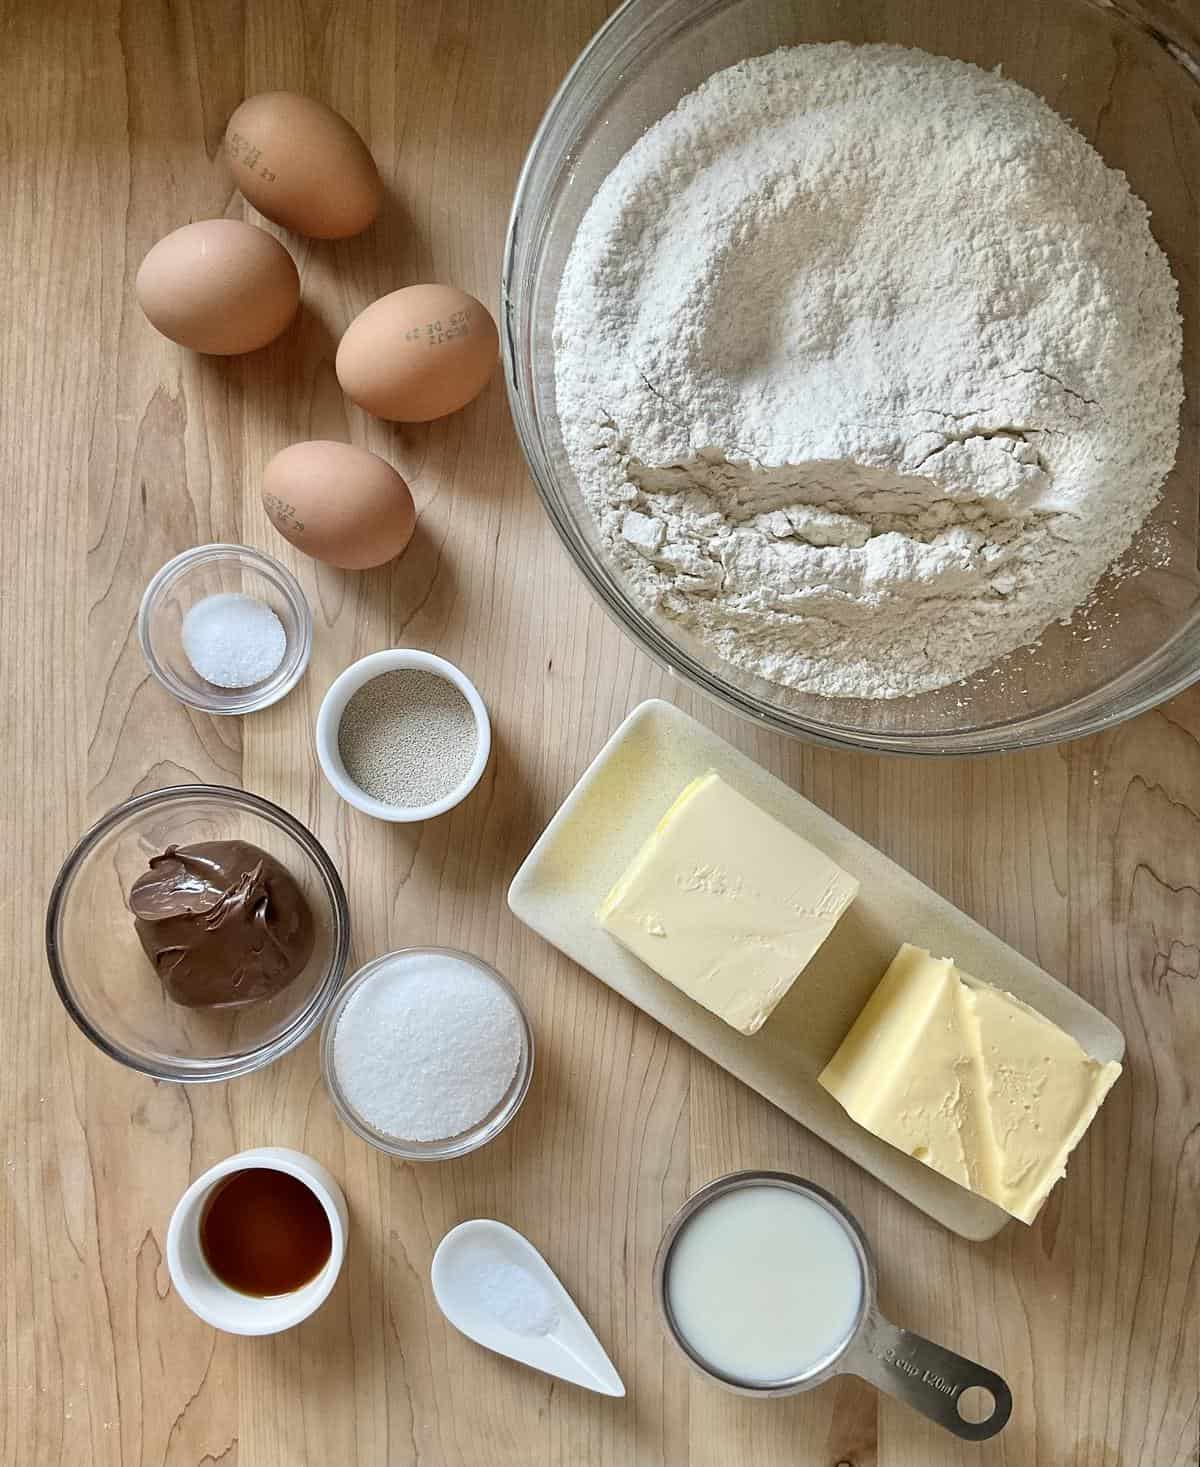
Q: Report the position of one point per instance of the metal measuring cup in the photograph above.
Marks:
(926, 1376)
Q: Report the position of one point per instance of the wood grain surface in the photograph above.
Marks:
(118, 450)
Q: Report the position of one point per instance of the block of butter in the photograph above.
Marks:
(969, 1080)
(726, 903)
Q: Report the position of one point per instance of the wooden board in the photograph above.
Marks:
(601, 826)
(116, 451)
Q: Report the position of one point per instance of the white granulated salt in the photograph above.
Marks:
(507, 1292)
(427, 1047)
(233, 641)
(868, 367)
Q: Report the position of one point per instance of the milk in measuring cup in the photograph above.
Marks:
(764, 1284)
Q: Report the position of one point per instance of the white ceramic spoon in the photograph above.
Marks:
(497, 1289)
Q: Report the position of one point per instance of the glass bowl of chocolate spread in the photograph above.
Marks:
(197, 933)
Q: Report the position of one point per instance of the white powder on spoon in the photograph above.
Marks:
(506, 1291)
(427, 1047)
(868, 367)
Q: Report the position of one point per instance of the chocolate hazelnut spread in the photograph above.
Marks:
(223, 923)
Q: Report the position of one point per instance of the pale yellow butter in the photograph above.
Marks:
(726, 903)
(969, 1080)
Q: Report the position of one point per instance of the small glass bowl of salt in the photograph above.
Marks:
(427, 1053)
(225, 629)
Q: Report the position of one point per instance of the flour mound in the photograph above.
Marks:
(868, 367)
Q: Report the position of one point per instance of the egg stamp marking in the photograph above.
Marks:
(283, 514)
(437, 333)
(240, 147)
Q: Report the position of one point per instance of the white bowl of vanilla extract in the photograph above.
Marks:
(256, 1244)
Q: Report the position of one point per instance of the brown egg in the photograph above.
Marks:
(338, 503)
(219, 286)
(301, 164)
(418, 353)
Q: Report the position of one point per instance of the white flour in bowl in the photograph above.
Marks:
(868, 367)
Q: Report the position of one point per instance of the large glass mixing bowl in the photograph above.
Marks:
(1128, 76)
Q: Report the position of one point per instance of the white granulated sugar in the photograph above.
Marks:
(510, 1294)
(426, 1048)
(868, 367)
(233, 641)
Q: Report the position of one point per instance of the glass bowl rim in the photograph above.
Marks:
(232, 701)
(1163, 674)
(199, 1072)
(452, 1147)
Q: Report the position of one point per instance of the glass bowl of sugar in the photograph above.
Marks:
(427, 1053)
(403, 735)
(225, 629)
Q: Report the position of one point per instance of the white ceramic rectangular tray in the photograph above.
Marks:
(612, 810)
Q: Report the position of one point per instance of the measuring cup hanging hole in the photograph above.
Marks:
(976, 1404)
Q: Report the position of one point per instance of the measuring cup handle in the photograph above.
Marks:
(927, 1377)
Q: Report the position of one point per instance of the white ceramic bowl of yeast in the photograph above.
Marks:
(329, 721)
(214, 1301)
